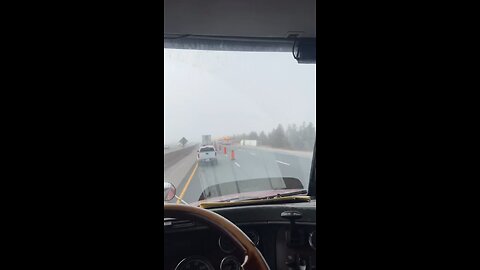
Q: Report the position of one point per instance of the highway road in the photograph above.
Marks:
(249, 163)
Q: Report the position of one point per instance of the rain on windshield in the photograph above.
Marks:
(235, 121)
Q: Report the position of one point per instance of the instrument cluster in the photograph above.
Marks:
(229, 262)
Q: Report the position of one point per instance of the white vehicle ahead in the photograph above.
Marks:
(207, 154)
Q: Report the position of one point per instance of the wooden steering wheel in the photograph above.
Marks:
(253, 258)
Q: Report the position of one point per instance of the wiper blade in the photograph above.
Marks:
(258, 201)
(279, 195)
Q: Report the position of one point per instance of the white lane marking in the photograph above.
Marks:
(281, 162)
(236, 163)
(253, 154)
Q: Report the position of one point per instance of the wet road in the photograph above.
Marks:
(249, 163)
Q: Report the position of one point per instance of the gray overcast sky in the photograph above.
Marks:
(226, 93)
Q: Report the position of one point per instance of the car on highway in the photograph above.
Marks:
(166, 147)
(251, 76)
(207, 155)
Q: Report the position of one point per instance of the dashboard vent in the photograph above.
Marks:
(175, 223)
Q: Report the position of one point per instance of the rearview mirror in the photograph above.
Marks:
(169, 191)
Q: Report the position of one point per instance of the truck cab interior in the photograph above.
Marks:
(277, 230)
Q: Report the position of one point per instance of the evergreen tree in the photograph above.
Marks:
(278, 137)
(263, 139)
(253, 136)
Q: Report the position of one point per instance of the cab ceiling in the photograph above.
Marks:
(240, 18)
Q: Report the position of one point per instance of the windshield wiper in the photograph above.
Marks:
(279, 195)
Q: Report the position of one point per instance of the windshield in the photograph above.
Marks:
(255, 109)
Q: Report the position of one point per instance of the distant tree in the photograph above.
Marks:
(263, 139)
(235, 138)
(306, 137)
(293, 136)
(302, 136)
(309, 136)
(253, 136)
(278, 137)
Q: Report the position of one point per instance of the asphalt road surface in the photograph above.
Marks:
(249, 163)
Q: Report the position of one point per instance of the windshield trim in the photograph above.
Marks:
(312, 184)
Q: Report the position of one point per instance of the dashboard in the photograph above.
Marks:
(189, 244)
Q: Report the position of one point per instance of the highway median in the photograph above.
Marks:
(178, 165)
(172, 158)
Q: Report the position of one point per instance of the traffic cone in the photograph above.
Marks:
(233, 155)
